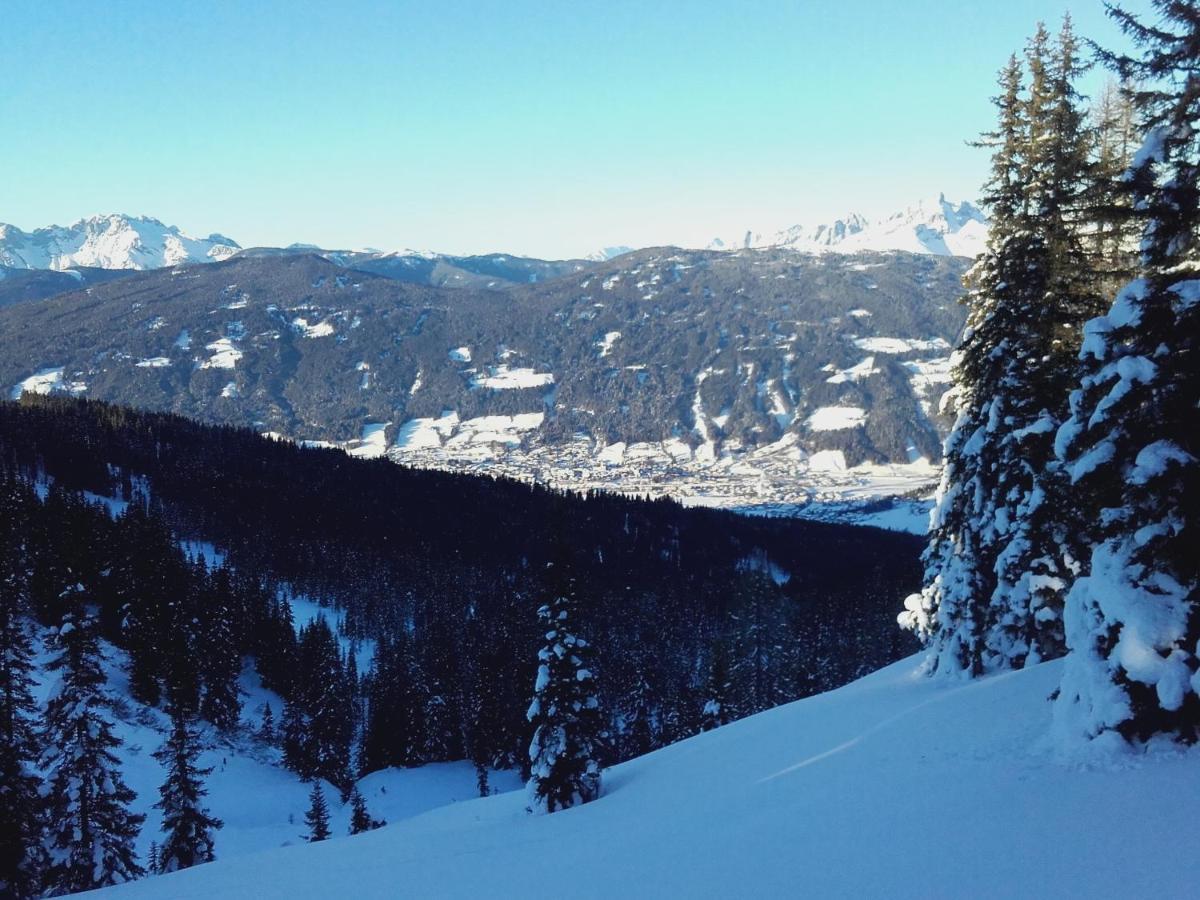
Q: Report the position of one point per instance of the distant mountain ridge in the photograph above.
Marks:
(109, 242)
(939, 227)
(936, 227)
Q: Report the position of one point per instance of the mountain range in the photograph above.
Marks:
(938, 227)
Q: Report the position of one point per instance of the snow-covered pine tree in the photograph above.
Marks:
(188, 826)
(266, 730)
(565, 712)
(22, 857)
(997, 563)
(1034, 567)
(317, 817)
(90, 830)
(949, 613)
(1131, 445)
(360, 817)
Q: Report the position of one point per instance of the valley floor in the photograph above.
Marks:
(892, 786)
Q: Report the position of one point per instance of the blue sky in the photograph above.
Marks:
(540, 128)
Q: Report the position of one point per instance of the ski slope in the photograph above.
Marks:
(892, 786)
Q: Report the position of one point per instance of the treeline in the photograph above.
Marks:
(1066, 518)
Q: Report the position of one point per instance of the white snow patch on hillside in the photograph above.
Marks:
(836, 418)
(321, 329)
(372, 443)
(461, 354)
(154, 362)
(41, 382)
(929, 379)
(605, 344)
(827, 461)
(839, 795)
(857, 372)
(224, 354)
(230, 390)
(502, 378)
(894, 345)
(184, 341)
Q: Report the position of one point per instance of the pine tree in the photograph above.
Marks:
(22, 858)
(317, 817)
(950, 611)
(1130, 446)
(565, 712)
(187, 825)
(360, 817)
(999, 561)
(221, 660)
(266, 730)
(90, 829)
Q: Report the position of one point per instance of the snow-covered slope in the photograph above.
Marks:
(936, 226)
(109, 242)
(893, 786)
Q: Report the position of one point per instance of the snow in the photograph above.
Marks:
(836, 418)
(321, 329)
(605, 344)
(846, 794)
(109, 242)
(230, 390)
(934, 226)
(827, 461)
(461, 354)
(184, 341)
(154, 362)
(224, 354)
(863, 369)
(502, 378)
(894, 345)
(41, 382)
(372, 443)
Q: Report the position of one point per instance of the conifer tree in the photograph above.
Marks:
(188, 826)
(999, 563)
(266, 730)
(21, 811)
(949, 613)
(1131, 446)
(317, 817)
(90, 828)
(565, 712)
(360, 818)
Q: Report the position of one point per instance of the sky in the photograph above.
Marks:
(543, 128)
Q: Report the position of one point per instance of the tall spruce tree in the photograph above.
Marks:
(91, 831)
(22, 858)
(998, 561)
(565, 712)
(949, 613)
(1131, 445)
(1035, 565)
(317, 817)
(188, 826)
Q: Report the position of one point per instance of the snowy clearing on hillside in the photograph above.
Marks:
(461, 354)
(857, 372)
(844, 794)
(605, 344)
(899, 345)
(372, 443)
(836, 418)
(154, 362)
(502, 378)
(224, 354)
(321, 329)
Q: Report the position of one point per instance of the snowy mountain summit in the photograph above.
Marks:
(937, 226)
(109, 242)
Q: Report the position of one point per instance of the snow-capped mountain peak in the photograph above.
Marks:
(112, 241)
(935, 226)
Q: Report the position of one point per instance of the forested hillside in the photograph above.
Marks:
(440, 576)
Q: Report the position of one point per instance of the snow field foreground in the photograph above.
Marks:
(893, 786)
